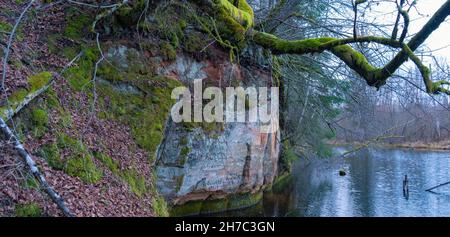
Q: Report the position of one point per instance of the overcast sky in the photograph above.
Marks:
(441, 37)
(439, 41)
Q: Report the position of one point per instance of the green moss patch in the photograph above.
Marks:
(30, 182)
(79, 76)
(39, 117)
(287, 157)
(185, 151)
(77, 24)
(17, 96)
(36, 82)
(159, 206)
(84, 168)
(39, 80)
(144, 107)
(135, 181)
(282, 182)
(5, 26)
(168, 51)
(111, 164)
(233, 202)
(79, 163)
(28, 210)
(179, 182)
(50, 152)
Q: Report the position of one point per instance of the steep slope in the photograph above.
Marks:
(94, 110)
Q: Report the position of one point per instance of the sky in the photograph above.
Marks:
(441, 37)
(439, 40)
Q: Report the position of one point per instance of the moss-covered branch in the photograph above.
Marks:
(406, 24)
(357, 61)
(242, 15)
(354, 59)
(432, 24)
(351, 57)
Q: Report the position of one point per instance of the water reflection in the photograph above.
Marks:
(373, 186)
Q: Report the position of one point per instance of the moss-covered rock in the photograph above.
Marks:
(130, 14)
(282, 182)
(185, 151)
(193, 43)
(234, 202)
(138, 99)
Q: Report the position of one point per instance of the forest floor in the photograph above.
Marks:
(107, 195)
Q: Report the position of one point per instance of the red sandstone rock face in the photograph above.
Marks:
(195, 163)
(212, 161)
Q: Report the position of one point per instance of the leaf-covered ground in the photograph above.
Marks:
(120, 183)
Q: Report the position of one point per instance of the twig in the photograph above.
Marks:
(8, 50)
(10, 112)
(204, 48)
(107, 13)
(437, 186)
(94, 79)
(93, 5)
(364, 145)
(10, 134)
(34, 169)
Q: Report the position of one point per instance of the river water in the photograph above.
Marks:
(373, 186)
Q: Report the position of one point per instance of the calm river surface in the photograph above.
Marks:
(373, 186)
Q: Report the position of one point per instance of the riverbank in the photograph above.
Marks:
(429, 146)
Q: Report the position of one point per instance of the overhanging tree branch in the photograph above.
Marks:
(374, 76)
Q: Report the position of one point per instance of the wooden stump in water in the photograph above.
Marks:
(406, 187)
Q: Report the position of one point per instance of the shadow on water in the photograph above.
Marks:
(373, 186)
